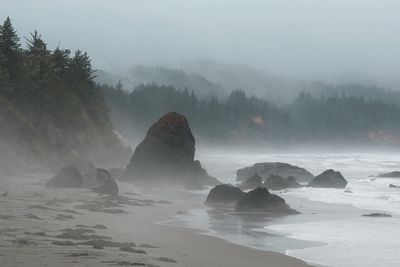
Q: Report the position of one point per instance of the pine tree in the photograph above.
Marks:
(39, 60)
(81, 70)
(9, 46)
(61, 60)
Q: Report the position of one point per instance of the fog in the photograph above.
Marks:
(331, 40)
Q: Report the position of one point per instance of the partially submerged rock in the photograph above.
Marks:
(266, 169)
(394, 186)
(224, 195)
(395, 174)
(166, 156)
(376, 214)
(276, 182)
(252, 182)
(260, 200)
(67, 177)
(328, 179)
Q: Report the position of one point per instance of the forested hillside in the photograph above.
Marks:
(241, 119)
(51, 111)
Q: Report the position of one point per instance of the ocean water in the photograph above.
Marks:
(330, 231)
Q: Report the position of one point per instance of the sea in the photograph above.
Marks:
(330, 231)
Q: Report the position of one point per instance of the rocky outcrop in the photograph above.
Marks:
(98, 179)
(274, 168)
(166, 156)
(328, 179)
(395, 174)
(224, 195)
(276, 182)
(108, 185)
(67, 177)
(252, 182)
(261, 200)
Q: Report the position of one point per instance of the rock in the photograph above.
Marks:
(377, 215)
(395, 174)
(394, 186)
(108, 184)
(328, 179)
(276, 182)
(67, 177)
(274, 168)
(224, 195)
(5, 194)
(252, 182)
(260, 200)
(166, 156)
(348, 191)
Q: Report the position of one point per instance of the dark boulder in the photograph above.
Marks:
(107, 183)
(395, 174)
(394, 186)
(224, 195)
(328, 179)
(252, 182)
(266, 169)
(260, 200)
(166, 156)
(276, 182)
(67, 177)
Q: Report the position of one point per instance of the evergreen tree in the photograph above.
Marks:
(9, 46)
(39, 60)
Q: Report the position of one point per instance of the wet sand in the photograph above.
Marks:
(75, 227)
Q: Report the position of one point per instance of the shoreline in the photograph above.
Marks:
(33, 219)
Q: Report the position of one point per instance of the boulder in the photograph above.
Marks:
(274, 168)
(166, 156)
(252, 182)
(107, 183)
(224, 195)
(395, 174)
(67, 177)
(394, 186)
(276, 182)
(328, 179)
(261, 200)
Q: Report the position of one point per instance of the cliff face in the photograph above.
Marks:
(28, 144)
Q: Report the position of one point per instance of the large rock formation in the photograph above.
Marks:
(67, 177)
(166, 156)
(329, 179)
(260, 200)
(252, 182)
(224, 195)
(274, 168)
(276, 182)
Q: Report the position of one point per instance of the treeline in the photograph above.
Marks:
(242, 118)
(49, 101)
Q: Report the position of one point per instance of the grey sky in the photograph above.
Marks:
(314, 39)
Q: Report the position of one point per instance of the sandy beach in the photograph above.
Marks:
(75, 227)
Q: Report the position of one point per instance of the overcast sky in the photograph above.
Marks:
(313, 39)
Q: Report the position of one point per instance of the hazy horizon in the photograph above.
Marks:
(333, 41)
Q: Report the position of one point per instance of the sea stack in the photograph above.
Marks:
(166, 156)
